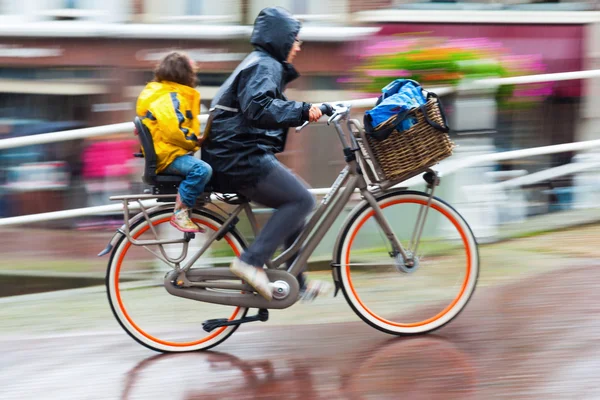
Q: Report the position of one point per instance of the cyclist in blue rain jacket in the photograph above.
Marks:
(250, 118)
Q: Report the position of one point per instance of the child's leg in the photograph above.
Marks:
(197, 173)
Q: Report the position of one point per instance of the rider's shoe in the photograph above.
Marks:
(181, 218)
(314, 289)
(254, 276)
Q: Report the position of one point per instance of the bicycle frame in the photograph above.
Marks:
(350, 178)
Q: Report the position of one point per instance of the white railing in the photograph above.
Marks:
(107, 130)
(13, 27)
(514, 16)
(62, 136)
(445, 168)
(452, 166)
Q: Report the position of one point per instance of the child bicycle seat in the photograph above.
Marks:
(161, 183)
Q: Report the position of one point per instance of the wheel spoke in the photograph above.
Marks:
(371, 264)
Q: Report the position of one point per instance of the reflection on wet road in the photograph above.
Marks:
(259, 365)
(537, 339)
(384, 369)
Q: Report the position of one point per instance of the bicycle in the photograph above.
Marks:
(408, 279)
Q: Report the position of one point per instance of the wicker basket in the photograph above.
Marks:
(405, 154)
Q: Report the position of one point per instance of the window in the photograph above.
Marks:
(309, 11)
(193, 11)
(68, 10)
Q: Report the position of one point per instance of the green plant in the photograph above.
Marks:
(447, 62)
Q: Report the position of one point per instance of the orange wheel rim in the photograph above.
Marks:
(445, 310)
(126, 314)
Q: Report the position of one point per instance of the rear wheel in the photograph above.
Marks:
(382, 290)
(141, 304)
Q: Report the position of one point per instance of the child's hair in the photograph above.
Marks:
(176, 67)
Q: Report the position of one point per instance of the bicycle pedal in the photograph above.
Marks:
(212, 324)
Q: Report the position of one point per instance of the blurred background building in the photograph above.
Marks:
(66, 64)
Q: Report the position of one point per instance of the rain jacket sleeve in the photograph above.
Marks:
(169, 112)
(257, 96)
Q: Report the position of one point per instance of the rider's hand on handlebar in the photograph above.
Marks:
(314, 113)
(326, 109)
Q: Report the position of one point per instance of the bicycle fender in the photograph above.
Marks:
(112, 242)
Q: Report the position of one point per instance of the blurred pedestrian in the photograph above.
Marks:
(169, 107)
(249, 121)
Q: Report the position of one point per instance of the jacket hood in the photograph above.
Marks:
(154, 90)
(275, 30)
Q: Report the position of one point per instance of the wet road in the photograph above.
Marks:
(535, 339)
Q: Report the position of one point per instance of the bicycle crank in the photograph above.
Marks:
(197, 284)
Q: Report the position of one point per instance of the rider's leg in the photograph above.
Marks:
(197, 173)
(292, 202)
(281, 190)
(289, 196)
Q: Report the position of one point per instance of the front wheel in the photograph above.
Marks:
(375, 280)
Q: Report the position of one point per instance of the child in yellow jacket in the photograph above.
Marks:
(169, 107)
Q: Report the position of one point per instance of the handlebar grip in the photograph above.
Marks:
(326, 109)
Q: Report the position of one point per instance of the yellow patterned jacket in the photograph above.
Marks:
(170, 111)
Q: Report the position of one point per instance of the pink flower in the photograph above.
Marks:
(400, 73)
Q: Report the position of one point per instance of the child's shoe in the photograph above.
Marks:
(181, 218)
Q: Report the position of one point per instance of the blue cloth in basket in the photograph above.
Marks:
(399, 97)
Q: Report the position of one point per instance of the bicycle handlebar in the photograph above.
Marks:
(326, 109)
(329, 110)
